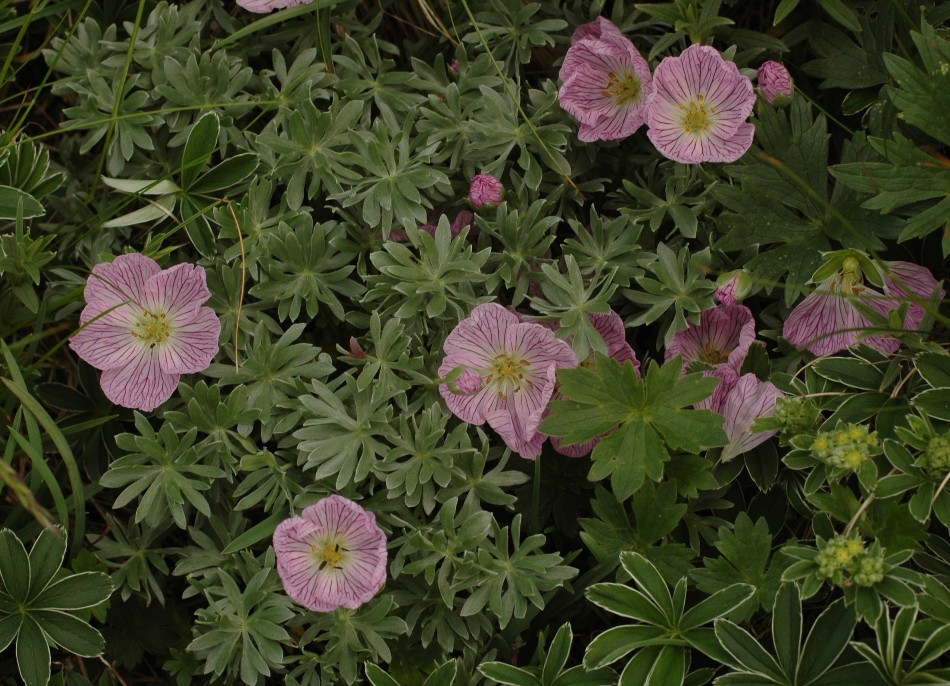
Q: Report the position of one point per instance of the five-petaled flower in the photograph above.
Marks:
(606, 82)
(699, 108)
(516, 362)
(144, 327)
(830, 318)
(332, 555)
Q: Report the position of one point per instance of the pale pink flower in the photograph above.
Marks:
(145, 327)
(332, 555)
(775, 83)
(262, 6)
(610, 327)
(722, 337)
(600, 28)
(828, 320)
(699, 108)
(748, 400)
(516, 363)
(606, 83)
(485, 191)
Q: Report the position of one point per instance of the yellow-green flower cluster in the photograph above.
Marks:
(846, 447)
(937, 454)
(796, 415)
(846, 561)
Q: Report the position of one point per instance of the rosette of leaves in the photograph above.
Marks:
(38, 600)
(663, 629)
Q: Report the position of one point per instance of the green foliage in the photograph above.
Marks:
(38, 601)
(664, 626)
(649, 414)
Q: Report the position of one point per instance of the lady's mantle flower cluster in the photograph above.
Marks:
(846, 561)
(937, 454)
(847, 447)
(796, 415)
(695, 105)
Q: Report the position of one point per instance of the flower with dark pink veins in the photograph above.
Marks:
(748, 400)
(699, 108)
(830, 318)
(332, 555)
(775, 83)
(144, 327)
(722, 337)
(610, 327)
(606, 83)
(516, 363)
(486, 191)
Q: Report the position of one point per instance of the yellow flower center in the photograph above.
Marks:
(507, 374)
(330, 554)
(623, 89)
(697, 115)
(152, 328)
(713, 355)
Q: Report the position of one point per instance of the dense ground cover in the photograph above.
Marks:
(552, 343)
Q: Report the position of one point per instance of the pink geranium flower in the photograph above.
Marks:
(775, 83)
(611, 329)
(485, 191)
(333, 555)
(606, 83)
(145, 327)
(829, 319)
(748, 400)
(699, 108)
(516, 363)
(261, 6)
(722, 337)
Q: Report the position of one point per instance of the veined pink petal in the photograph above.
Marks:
(826, 322)
(600, 28)
(141, 384)
(748, 400)
(610, 327)
(905, 278)
(107, 342)
(122, 280)
(728, 378)
(177, 291)
(775, 81)
(192, 345)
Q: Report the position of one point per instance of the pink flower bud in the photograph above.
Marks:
(356, 350)
(454, 67)
(486, 191)
(469, 382)
(775, 83)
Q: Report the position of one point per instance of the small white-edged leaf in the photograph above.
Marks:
(157, 209)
